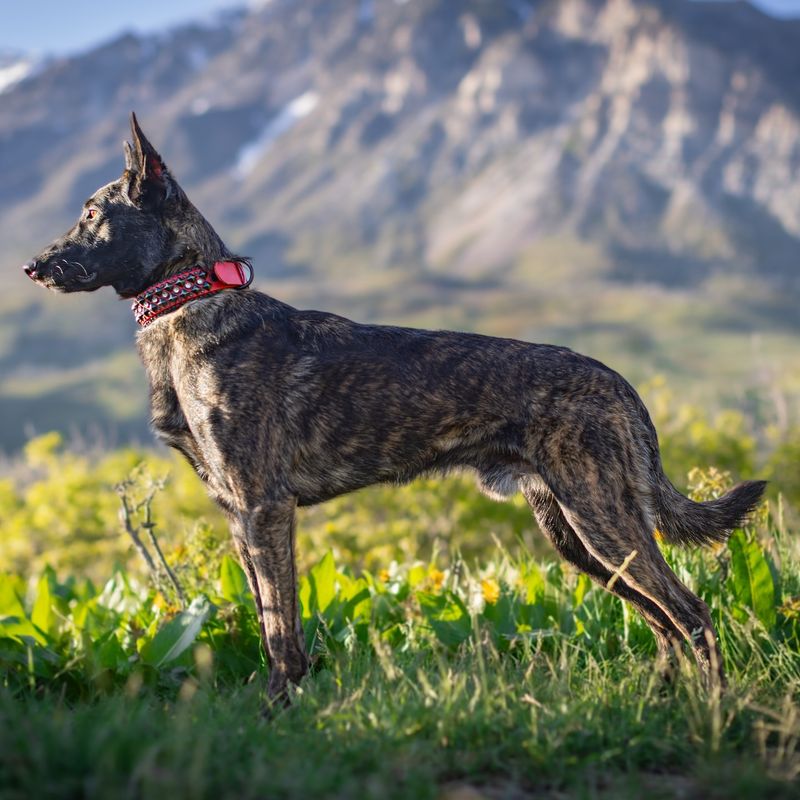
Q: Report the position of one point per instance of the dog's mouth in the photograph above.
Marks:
(41, 279)
(66, 276)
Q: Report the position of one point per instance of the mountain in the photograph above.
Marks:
(14, 68)
(619, 176)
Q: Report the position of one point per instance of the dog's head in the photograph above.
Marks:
(123, 236)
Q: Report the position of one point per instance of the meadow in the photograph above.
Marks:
(453, 656)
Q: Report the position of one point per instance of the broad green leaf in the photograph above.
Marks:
(108, 653)
(416, 575)
(310, 628)
(34, 659)
(447, 616)
(318, 591)
(581, 587)
(304, 597)
(359, 602)
(345, 584)
(12, 588)
(120, 595)
(79, 611)
(18, 628)
(501, 616)
(42, 615)
(232, 582)
(13, 651)
(533, 581)
(753, 585)
(177, 635)
(385, 609)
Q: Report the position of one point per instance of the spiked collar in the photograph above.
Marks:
(171, 293)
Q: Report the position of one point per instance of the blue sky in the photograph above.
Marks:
(57, 27)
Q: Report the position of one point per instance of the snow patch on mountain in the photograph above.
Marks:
(15, 71)
(279, 124)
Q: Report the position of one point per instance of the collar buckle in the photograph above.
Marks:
(232, 273)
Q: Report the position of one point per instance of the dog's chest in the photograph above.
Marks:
(157, 351)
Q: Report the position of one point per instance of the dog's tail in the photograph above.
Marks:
(683, 521)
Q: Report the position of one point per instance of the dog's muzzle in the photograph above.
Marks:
(31, 269)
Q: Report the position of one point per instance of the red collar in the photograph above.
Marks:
(173, 292)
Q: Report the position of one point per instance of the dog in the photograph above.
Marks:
(277, 408)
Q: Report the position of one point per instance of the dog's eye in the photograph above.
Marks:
(91, 213)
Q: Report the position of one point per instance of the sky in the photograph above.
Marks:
(55, 27)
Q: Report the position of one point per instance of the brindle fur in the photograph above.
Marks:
(277, 408)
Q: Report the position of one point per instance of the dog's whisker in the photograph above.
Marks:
(78, 265)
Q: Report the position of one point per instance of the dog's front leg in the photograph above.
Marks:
(269, 536)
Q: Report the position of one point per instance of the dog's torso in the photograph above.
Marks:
(314, 405)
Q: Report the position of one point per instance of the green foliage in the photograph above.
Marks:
(753, 585)
(520, 675)
(782, 466)
(177, 635)
(92, 639)
(447, 616)
(689, 435)
(372, 527)
(463, 666)
(232, 582)
(59, 507)
(727, 440)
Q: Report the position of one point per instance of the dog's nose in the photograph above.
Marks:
(30, 269)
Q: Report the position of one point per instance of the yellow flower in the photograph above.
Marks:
(160, 602)
(490, 590)
(791, 608)
(179, 552)
(437, 578)
(383, 576)
(659, 536)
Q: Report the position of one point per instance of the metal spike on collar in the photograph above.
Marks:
(171, 293)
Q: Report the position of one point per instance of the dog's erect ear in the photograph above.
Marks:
(152, 183)
(130, 157)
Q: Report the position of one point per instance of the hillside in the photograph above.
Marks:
(622, 177)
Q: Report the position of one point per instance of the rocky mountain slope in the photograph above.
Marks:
(619, 175)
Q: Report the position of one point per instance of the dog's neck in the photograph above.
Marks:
(194, 244)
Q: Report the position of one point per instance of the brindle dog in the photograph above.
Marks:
(277, 408)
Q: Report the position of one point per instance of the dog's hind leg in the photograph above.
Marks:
(566, 542)
(269, 535)
(612, 522)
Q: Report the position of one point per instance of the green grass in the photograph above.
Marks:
(488, 671)
(557, 721)
(499, 677)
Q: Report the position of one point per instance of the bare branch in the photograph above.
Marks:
(126, 519)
